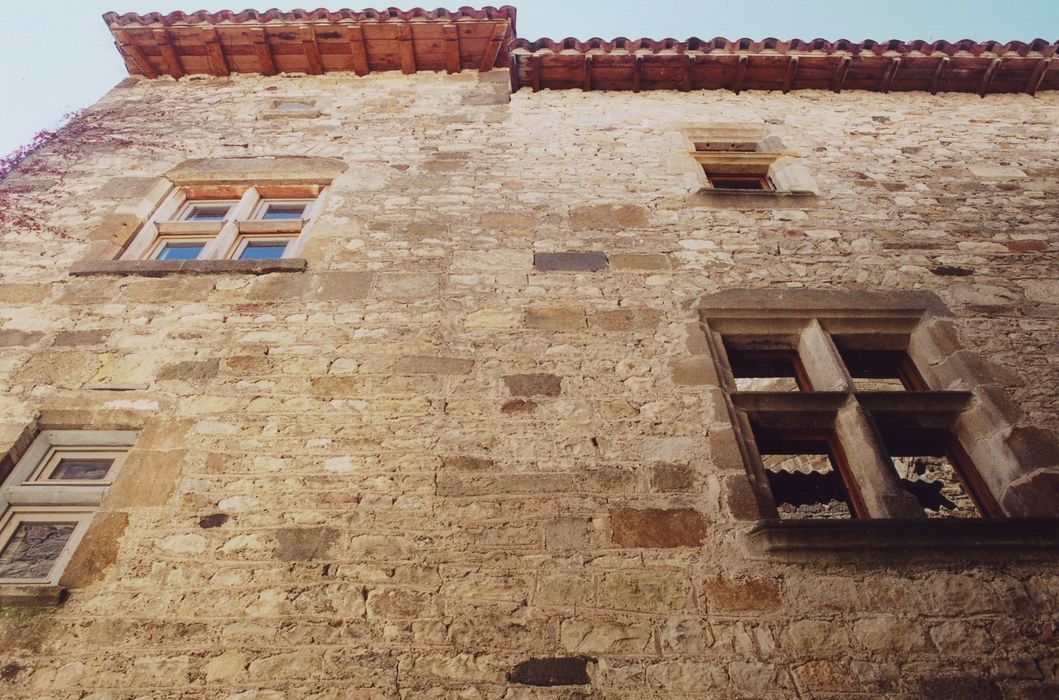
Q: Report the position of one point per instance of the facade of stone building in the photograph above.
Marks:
(555, 392)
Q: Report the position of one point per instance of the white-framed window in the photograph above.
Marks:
(264, 222)
(48, 500)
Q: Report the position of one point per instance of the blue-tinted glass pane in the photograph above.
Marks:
(274, 212)
(181, 251)
(207, 212)
(263, 251)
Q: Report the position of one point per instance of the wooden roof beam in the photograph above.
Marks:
(740, 75)
(265, 63)
(358, 49)
(314, 66)
(792, 70)
(1039, 72)
(535, 71)
(215, 58)
(987, 77)
(637, 73)
(165, 46)
(685, 83)
(406, 48)
(453, 63)
(939, 74)
(128, 47)
(888, 76)
(841, 72)
(492, 49)
(586, 76)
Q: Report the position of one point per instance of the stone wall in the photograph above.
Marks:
(443, 463)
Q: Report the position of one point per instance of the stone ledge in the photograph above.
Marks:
(902, 539)
(751, 199)
(160, 268)
(31, 596)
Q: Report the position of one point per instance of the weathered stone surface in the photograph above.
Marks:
(738, 595)
(116, 228)
(626, 320)
(608, 217)
(571, 261)
(191, 370)
(693, 371)
(410, 286)
(215, 171)
(427, 364)
(304, 543)
(533, 384)
(555, 319)
(639, 261)
(656, 527)
(493, 319)
(569, 670)
(97, 551)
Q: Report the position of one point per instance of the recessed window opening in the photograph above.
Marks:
(739, 182)
(939, 474)
(281, 210)
(882, 370)
(206, 211)
(767, 369)
(805, 474)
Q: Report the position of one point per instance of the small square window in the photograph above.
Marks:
(263, 249)
(179, 250)
(767, 370)
(72, 464)
(35, 545)
(281, 210)
(206, 211)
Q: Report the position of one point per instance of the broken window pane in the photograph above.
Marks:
(881, 370)
(803, 479)
(935, 484)
(33, 549)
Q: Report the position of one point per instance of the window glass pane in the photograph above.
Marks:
(71, 469)
(33, 548)
(207, 212)
(263, 251)
(180, 251)
(276, 212)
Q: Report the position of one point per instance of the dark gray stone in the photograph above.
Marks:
(533, 384)
(565, 670)
(571, 261)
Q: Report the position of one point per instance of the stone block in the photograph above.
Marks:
(493, 319)
(116, 228)
(556, 671)
(640, 261)
(1035, 495)
(305, 543)
(407, 286)
(76, 338)
(13, 338)
(608, 217)
(561, 318)
(657, 527)
(693, 371)
(256, 169)
(465, 463)
(20, 293)
(750, 594)
(492, 260)
(671, 477)
(890, 635)
(485, 99)
(97, 550)
(571, 261)
(428, 364)
(126, 187)
(671, 449)
(533, 384)
(147, 479)
(646, 591)
(190, 370)
(626, 320)
(958, 687)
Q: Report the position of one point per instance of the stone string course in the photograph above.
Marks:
(428, 466)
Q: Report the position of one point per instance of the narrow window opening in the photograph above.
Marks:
(739, 182)
(939, 474)
(767, 370)
(882, 370)
(805, 473)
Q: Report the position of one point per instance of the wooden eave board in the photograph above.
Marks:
(287, 45)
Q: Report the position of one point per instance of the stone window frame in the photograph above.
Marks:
(26, 496)
(137, 217)
(744, 150)
(1018, 464)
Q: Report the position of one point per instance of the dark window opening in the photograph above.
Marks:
(739, 182)
(81, 469)
(882, 370)
(808, 476)
(767, 370)
(934, 468)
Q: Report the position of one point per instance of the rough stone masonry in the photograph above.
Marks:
(467, 451)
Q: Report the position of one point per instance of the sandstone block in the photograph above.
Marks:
(640, 261)
(569, 670)
(602, 637)
(671, 477)
(304, 543)
(13, 338)
(427, 364)
(116, 228)
(626, 320)
(533, 384)
(570, 261)
(191, 370)
(97, 551)
(693, 371)
(465, 463)
(608, 217)
(215, 171)
(493, 319)
(656, 527)
(492, 260)
(740, 595)
(559, 318)
(694, 677)
(407, 286)
(670, 449)
(890, 635)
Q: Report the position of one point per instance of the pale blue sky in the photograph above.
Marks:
(61, 58)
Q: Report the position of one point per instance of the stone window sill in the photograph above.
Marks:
(751, 199)
(160, 268)
(31, 596)
(920, 538)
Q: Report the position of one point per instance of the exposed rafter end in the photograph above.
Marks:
(740, 75)
(586, 78)
(1039, 72)
(987, 77)
(637, 74)
(792, 70)
(841, 72)
(358, 49)
(939, 74)
(890, 74)
(492, 49)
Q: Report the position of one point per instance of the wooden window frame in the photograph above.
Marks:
(835, 453)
